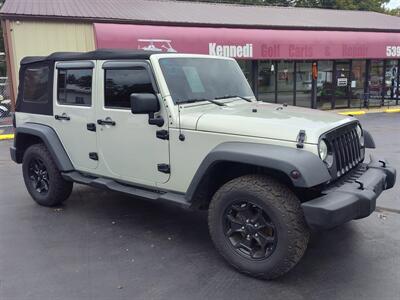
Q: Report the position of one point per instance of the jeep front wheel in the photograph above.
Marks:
(42, 177)
(258, 226)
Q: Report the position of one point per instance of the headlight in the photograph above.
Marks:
(360, 134)
(323, 150)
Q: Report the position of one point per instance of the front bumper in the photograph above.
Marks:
(352, 198)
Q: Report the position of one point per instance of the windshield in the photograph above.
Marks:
(192, 79)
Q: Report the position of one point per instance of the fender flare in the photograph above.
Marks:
(49, 138)
(368, 140)
(284, 159)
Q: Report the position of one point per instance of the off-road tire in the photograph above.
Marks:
(58, 188)
(284, 210)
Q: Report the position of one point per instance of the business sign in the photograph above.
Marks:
(342, 82)
(238, 51)
(393, 51)
(250, 43)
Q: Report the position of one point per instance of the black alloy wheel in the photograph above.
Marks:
(257, 225)
(250, 231)
(42, 178)
(39, 176)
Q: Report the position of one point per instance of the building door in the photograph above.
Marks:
(341, 96)
(391, 89)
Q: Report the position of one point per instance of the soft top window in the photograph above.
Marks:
(36, 81)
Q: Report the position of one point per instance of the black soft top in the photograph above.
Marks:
(100, 54)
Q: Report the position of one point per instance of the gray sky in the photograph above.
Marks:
(393, 4)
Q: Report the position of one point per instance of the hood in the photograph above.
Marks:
(259, 119)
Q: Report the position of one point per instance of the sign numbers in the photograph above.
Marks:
(393, 51)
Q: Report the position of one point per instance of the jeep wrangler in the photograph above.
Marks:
(187, 129)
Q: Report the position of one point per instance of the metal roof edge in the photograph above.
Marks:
(188, 24)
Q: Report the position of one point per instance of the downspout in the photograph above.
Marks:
(11, 72)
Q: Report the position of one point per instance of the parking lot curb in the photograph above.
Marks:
(6, 137)
(352, 113)
(392, 110)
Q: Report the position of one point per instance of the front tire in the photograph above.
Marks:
(257, 225)
(42, 178)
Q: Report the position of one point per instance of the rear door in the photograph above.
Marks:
(74, 112)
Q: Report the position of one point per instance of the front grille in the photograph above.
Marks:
(346, 149)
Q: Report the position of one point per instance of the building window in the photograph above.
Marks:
(391, 85)
(324, 84)
(285, 82)
(303, 83)
(120, 84)
(375, 83)
(266, 81)
(75, 87)
(357, 83)
(36, 80)
(247, 69)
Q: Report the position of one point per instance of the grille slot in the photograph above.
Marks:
(346, 150)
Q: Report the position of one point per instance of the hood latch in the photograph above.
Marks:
(301, 137)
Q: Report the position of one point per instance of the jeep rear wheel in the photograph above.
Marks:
(42, 177)
(257, 225)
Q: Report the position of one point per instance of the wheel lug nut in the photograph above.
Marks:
(256, 225)
(256, 235)
(247, 221)
(242, 227)
(248, 236)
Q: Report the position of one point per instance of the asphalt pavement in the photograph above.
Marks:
(104, 245)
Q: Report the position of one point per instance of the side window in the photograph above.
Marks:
(121, 83)
(36, 81)
(74, 87)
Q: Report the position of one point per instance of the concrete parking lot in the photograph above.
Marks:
(105, 245)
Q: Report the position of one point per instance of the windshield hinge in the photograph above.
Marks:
(301, 137)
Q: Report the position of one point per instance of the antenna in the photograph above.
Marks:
(181, 135)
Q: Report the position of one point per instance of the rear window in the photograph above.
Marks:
(36, 81)
(75, 87)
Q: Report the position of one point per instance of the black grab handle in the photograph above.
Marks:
(106, 122)
(62, 117)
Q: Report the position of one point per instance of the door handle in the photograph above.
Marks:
(64, 116)
(107, 121)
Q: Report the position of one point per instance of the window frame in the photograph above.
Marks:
(126, 65)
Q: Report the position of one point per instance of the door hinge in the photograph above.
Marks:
(91, 126)
(164, 168)
(93, 155)
(162, 134)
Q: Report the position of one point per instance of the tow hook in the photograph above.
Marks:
(361, 187)
(383, 163)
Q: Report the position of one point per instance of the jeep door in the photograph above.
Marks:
(75, 87)
(128, 144)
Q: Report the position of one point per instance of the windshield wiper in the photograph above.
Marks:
(201, 99)
(234, 96)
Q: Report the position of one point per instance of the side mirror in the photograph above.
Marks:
(147, 104)
(144, 103)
